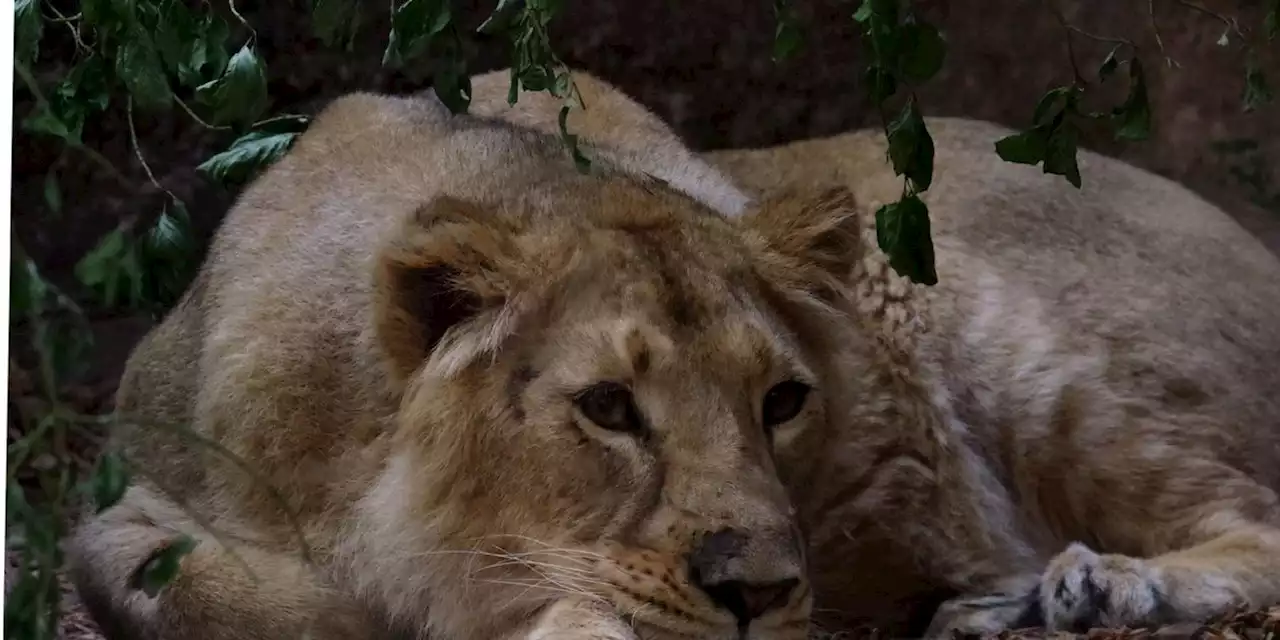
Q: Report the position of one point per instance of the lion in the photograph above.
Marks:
(688, 397)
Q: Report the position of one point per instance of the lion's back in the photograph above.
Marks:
(1176, 300)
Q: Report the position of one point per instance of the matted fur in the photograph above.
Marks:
(1080, 421)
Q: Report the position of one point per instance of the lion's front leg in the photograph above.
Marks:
(244, 592)
(1083, 589)
(577, 619)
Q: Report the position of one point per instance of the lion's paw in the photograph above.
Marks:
(1082, 590)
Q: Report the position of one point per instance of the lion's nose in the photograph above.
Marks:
(748, 577)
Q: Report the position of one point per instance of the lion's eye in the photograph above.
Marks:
(610, 406)
(784, 402)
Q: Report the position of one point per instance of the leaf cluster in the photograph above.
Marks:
(903, 50)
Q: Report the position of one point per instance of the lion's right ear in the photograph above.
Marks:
(449, 264)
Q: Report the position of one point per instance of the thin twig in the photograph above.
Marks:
(1230, 23)
(70, 22)
(1071, 48)
(137, 150)
(1098, 38)
(1155, 29)
(235, 11)
(200, 121)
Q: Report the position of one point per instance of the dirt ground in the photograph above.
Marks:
(705, 67)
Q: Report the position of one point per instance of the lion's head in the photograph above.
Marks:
(597, 379)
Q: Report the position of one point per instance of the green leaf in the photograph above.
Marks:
(571, 141)
(452, 84)
(139, 67)
(1109, 64)
(863, 13)
(1028, 147)
(1052, 104)
(903, 233)
(787, 36)
(82, 92)
(192, 48)
(52, 193)
(162, 567)
(1133, 118)
(535, 79)
(923, 51)
(513, 89)
(502, 19)
(28, 26)
(1060, 155)
(249, 154)
(332, 19)
(413, 24)
(1257, 93)
(171, 254)
(239, 95)
(44, 121)
(110, 480)
(911, 147)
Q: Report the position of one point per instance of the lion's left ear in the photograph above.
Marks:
(450, 263)
(808, 241)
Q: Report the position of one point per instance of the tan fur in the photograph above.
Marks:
(1095, 367)
(1099, 420)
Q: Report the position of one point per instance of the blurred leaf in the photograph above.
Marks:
(28, 26)
(413, 24)
(452, 83)
(27, 289)
(1060, 155)
(787, 36)
(1109, 64)
(923, 51)
(111, 265)
(1257, 93)
(192, 47)
(911, 147)
(110, 479)
(239, 95)
(44, 121)
(83, 91)
(332, 19)
(52, 193)
(903, 233)
(1271, 24)
(1133, 118)
(69, 346)
(571, 141)
(1052, 104)
(139, 67)
(502, 18)
(162, 567)
(248, 155)
(171, 254)
(1028, 147)
(883, 31)
(863, 13)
